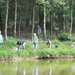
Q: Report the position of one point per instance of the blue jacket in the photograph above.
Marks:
(20, 42)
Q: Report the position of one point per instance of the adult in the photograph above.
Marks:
(35, 42)
(21, 44)
(1, 39)
(39, 30)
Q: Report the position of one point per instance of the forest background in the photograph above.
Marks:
(19, 18)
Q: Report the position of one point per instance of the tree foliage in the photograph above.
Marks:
(59, 16)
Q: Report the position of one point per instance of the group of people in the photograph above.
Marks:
(21, 43)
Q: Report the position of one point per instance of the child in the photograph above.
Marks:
(48, 43)
(35, 42)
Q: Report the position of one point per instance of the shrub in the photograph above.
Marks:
(73, 39)
(56, 42)
(43, 54)
(10, 42)
(64, 49)
(64, 36)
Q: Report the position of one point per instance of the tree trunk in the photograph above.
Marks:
(71, 17)
(15, 18)
(63, 22)
(19, 27)
(0, 19)
(41, 17)
(33, 15)
(50, 23)
(27, 23)
(51, 20)
(19, 21)
(44, 22)
(6, 19)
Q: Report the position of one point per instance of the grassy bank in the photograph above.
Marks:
(64, 49)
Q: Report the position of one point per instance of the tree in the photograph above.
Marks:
(44, 22)
(71, 9)
(15, 18)
(44, 12)
(33, 17)
(6, 18)
(51, 18)
(56, 15)
(0, 19)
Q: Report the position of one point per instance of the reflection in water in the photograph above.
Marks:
(38, 68)
(35, 71)
(24, 72)
(49, 72)
(20, 71)
(0, 73)
(73, 70)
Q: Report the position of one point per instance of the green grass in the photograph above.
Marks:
(64, 49)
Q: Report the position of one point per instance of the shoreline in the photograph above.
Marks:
(36, 58)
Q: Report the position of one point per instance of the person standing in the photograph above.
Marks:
(39, 30)
(35, 42)
(73, 45)
(1, 39)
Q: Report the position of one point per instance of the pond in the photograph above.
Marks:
(38, 67)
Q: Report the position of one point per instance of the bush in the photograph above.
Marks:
(64, 37)
(43, 54)
(56, 42)
(73, 39)
(10, 42)
(64, 49)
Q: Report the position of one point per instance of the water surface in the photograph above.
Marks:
(41, 67)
